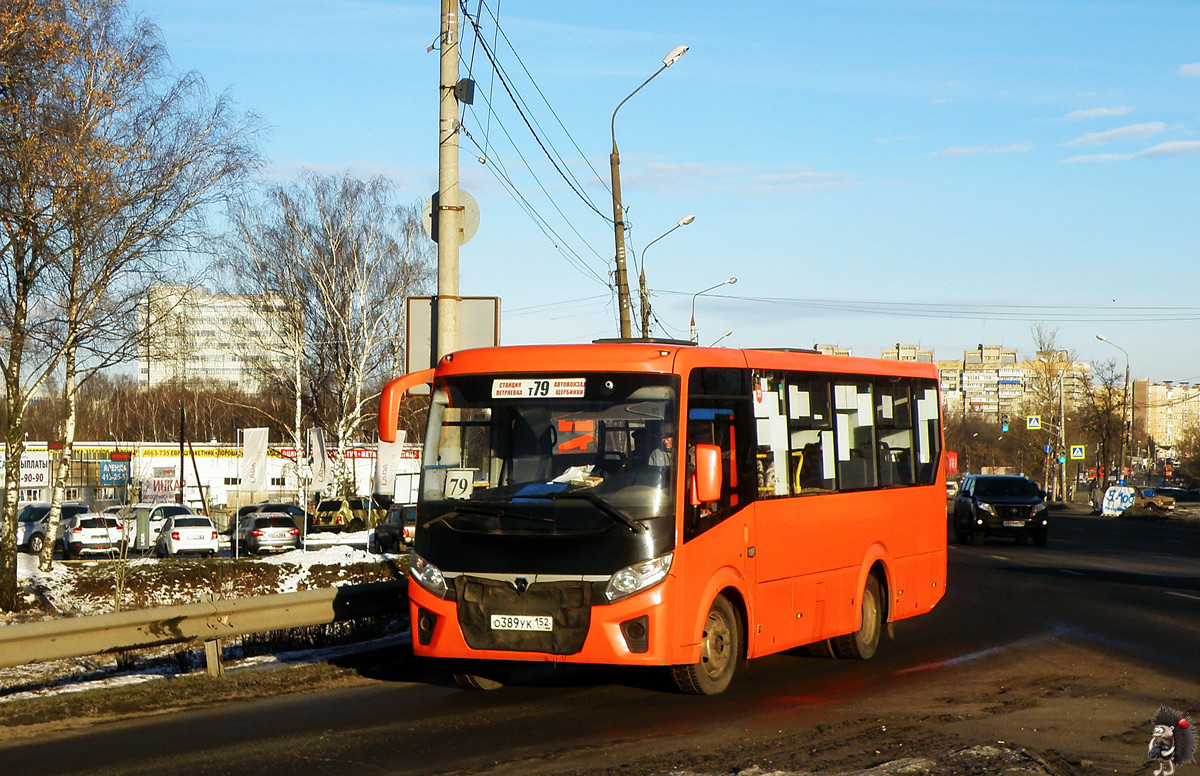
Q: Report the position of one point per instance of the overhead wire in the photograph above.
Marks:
(974, 310)
(494, 160)
(604, 183)
(555, 161)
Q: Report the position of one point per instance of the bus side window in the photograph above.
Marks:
(810, 443)
(857, 455)
(893, 422)
(929, 435)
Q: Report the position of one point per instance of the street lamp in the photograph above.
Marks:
(618, 209)
(723, 336)
(728, 282)
(1124, 401)
(642, 273)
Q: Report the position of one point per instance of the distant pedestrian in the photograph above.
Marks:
(1095, 497)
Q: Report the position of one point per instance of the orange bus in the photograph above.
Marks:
(659, 504)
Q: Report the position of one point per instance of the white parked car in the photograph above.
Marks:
(91, 534)
(189, 534)
(32, 528)
(146, 521)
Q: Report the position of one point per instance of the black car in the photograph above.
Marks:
(1000, 505)
(396, 530)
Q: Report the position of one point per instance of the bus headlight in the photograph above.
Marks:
(638, 577)
(427, 575)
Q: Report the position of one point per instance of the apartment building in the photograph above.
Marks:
(192, 334)
(1169, 409)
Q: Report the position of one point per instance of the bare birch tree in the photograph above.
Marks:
(111, 170)
(333, 259)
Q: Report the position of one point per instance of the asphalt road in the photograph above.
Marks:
(1031, 645)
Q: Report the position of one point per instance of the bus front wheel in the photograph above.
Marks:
(720, 650)
(861, 644)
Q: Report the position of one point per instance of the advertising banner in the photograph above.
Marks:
(254, 458)
(387, 461)
(318, 458)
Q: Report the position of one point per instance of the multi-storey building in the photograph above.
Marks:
(832, 350)
(193, 334)
(1168, 409)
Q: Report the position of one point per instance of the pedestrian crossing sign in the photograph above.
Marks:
(1077, 453)
(1033, 422)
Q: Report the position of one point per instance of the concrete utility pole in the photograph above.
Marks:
(449, 211)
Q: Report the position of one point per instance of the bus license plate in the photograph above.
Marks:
(1014, 523)
(522, 622)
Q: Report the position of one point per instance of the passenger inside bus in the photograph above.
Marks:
(649, 447)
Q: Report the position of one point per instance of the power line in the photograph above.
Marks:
(975, 310)
(555, 162)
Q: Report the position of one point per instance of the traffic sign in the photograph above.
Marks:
(1077, 453)
(1033, 423)
(1048, 449)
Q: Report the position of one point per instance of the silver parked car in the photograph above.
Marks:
(268, 532)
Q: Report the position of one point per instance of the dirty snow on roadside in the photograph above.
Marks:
(56, 591)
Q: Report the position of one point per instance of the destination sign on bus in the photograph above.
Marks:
(551, 388)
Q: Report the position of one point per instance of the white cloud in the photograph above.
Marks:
(1162, 150)
(960, 151)
(1095, 113)
(1190, 71)
(1174, 148)
(1130, 132)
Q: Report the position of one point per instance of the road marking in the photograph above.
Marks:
(1183, 595)
(1073, 572)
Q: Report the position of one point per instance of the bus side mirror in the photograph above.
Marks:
(706, 482)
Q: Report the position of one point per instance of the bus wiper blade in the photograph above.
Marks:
(486, 509)
(608, 509)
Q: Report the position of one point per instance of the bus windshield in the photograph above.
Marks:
(571, 455)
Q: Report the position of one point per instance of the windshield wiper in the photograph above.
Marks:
(487, 509)
(607, 509)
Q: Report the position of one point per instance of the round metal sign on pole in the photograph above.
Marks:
(469, 222)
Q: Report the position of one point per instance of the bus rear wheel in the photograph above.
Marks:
(720, 651)
(861, 644)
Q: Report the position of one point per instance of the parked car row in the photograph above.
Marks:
(169, 529)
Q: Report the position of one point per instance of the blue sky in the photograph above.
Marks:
(942, 173)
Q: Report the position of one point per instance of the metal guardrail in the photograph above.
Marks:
(208, 621)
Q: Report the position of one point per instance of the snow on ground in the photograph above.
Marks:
(56, 587)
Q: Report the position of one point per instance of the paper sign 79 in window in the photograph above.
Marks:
(458, 483)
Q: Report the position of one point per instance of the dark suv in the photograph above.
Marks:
(999, 505)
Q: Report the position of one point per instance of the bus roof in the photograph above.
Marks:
(663, 358)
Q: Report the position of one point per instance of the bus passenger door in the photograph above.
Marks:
(717, 538)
